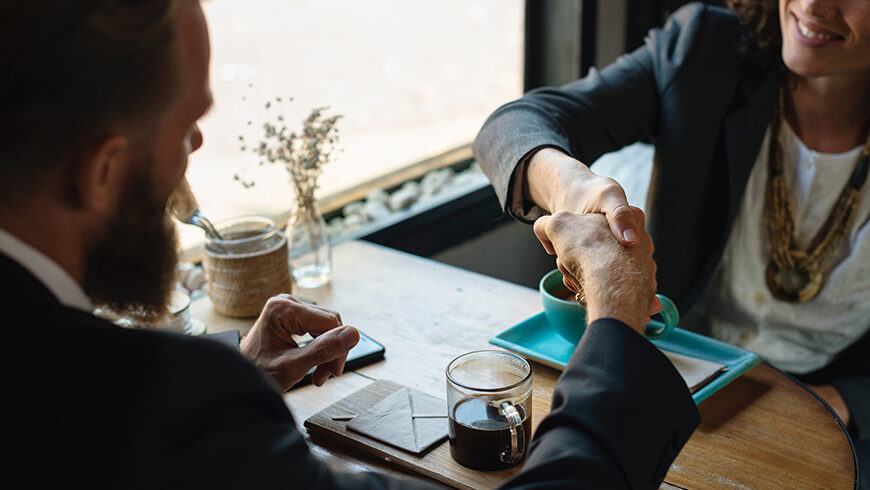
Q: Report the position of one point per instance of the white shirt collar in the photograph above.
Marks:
(53, 276)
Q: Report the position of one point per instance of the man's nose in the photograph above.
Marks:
(195, 140)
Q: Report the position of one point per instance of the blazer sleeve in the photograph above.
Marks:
(621, 413)
(210, 419)
(602, 112)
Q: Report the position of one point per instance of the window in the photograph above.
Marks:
(412, 79)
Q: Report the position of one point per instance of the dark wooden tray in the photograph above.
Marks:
(436, 464)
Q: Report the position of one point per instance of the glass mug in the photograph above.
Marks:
(489, 407)
(246, 266)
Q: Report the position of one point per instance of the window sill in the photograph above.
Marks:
(331, 206)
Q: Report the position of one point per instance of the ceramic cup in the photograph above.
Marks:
(569, 318)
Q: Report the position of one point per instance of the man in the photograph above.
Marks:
(98, 108)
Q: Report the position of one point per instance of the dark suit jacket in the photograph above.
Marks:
(97, 406)
(706, 108)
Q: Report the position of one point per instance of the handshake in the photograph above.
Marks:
(618, 281)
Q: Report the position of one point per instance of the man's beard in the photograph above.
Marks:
(131, 269)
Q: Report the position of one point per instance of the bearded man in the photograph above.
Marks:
(99, 101)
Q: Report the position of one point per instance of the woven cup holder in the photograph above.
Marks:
(247, 267)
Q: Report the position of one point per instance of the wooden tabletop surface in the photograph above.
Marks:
(761, 431)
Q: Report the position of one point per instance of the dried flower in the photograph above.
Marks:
(303, 154)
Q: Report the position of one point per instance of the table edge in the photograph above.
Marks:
(855, 461)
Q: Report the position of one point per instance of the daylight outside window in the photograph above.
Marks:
(412, 79)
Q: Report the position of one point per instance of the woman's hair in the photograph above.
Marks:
(74, 72)
(763, 41)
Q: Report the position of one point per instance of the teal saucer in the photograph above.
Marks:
(536, 339)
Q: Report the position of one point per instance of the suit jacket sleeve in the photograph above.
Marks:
(620, 415)
(212, 420)
(602, 112)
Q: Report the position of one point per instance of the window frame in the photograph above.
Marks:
(563, 39)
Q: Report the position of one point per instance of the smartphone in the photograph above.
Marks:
(366, 352)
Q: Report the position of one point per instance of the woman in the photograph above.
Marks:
(758, 203)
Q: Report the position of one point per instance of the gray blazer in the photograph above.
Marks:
(706, 108)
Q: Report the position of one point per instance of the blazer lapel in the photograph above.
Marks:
(744, 132)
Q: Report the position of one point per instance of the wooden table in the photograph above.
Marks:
(761, 431)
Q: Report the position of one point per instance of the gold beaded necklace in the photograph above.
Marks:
(795, 275)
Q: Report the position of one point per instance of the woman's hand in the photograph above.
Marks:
(558, 182)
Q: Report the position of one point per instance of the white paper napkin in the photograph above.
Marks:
(696, 372)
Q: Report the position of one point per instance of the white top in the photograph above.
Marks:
(737, 304)
(57, 280)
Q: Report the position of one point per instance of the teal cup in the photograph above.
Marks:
(569, 318)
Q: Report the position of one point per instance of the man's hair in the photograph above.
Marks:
(73, 72)
(763, 42)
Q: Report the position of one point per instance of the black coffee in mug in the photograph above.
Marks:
(564, 293)
(489, 409)
(480, 436)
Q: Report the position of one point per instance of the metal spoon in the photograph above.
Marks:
(183, 205)
(197, 219)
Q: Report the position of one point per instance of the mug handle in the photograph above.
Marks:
(656, 330)
(518, 440)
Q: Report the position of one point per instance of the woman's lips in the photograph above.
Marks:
(813, 33)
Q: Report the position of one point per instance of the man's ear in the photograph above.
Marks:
(99, 174)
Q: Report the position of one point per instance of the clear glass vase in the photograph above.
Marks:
(310, 252)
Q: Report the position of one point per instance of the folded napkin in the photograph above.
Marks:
(408, 419)
(696, 372)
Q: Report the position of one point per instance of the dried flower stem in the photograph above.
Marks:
(302, 154)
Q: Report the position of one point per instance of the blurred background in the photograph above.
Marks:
(411, 78)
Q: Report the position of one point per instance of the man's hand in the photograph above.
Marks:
(558, 182)
(618, 282)
(271, 347)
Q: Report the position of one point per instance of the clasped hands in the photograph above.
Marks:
(602, 248)
(617, 281)
(271, 347)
